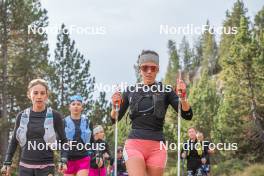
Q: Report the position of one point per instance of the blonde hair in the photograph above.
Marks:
(38, 81)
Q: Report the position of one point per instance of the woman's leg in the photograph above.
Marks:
(156, 160)
(154, 171)
(134, 155)
(136, 167)
(83, 172)
(82, 166)
(70, 170)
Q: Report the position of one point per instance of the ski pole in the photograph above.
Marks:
(179, 126)
(183, 167)
(116, 135)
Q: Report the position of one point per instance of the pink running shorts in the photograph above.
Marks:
(74, 166)
(152, 152)
(98, 172)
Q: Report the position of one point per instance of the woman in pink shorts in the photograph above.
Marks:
(148, 102)
(78, 130)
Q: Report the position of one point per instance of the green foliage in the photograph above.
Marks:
(232, 20)
(209, 51)
(227, 102)
(173, 65)
(27, 52)
(71, 73)
(256, 170)
(226, 95)
(100, 110)
(204, 101)
(197, 52)
(26, 55)
(186, 54)
(229, 167)
(238, 106)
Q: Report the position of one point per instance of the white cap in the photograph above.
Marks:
(97, 129)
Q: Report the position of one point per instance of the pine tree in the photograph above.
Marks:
(25, 54)
(259, 61)
(173, 65)
(204, 101)
(4, 37)
(197, 53)
(225, 118)
(29, 50)
(209, 51)
(258, 65)
(238, 107)
(232, 21)
(186, 54)
(101, 110)
(171, 76)
(71, 73)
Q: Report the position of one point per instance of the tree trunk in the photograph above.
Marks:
(4, 39)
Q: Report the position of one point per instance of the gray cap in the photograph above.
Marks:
(148, 57)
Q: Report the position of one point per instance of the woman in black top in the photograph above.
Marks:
(100, 154)
(35, 131)
(148, 103)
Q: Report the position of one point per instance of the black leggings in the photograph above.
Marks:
(47, 171)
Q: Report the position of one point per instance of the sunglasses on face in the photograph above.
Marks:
(145, 68)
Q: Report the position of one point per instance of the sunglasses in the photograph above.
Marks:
(145, 68)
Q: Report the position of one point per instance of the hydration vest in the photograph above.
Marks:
(84, 126)
(158, 100)
(49, 135)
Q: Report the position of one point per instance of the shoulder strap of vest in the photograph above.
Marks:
(86, 119)
(49, 113)
(66, 120)
(26, 112)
